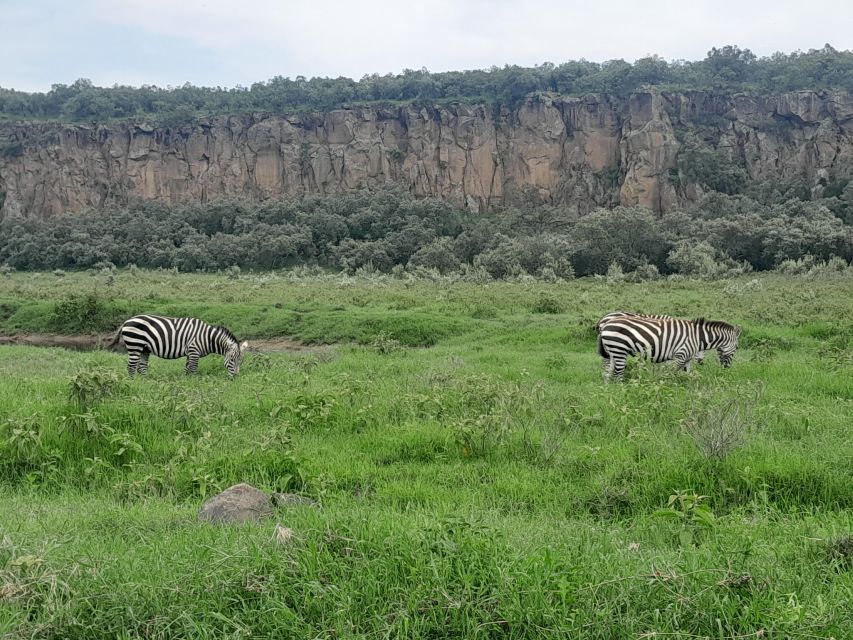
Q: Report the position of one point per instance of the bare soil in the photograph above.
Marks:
(103, 340)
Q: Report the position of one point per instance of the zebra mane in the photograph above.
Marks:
(227, 333)
(715, 324)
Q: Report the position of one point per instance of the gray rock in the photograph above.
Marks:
(240, 503)
(293, 500)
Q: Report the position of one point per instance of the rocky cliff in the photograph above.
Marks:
(583, 152)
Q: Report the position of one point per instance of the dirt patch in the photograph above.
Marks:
(102, 341)
(73, 342)
(282, 345)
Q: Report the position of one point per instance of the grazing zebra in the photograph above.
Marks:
(700, 355)
(663, 339)
(175, 338)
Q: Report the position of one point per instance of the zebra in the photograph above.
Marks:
(172, 338)
(663, 339)
(700, 355)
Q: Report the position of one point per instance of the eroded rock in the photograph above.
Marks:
(240, 503)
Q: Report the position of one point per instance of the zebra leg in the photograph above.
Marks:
(192, 361)
(608, 369)
(617, 367)
(683, 361)
(142, 367)
(132, 362)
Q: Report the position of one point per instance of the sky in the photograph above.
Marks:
(238, 42)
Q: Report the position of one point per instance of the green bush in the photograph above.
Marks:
(88, 313)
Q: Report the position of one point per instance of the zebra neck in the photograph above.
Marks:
(220, 344)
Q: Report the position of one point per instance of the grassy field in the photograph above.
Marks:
(476, 477)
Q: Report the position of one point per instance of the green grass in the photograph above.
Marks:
(488, 485)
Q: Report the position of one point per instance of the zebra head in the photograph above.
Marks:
(234, 357)
(721, 336)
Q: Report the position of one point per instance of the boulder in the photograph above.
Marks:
(240, 503)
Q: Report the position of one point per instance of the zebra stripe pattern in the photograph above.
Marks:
(172, 338)
(700, 355)
(663, 339)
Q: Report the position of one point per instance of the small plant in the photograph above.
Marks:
(689, 509)
(21, 440)
(718, 426)
(614, 273)
(6, 269)
(233, 272)
(91, 386)
(546, 303)
(59, 273)
(384, 344)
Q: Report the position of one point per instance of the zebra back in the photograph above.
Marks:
(174, 337)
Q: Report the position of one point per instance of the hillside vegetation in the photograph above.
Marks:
(390, 229)
(728, 68)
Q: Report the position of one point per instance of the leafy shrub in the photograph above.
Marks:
(437, 255)
(643, 273)
(701, 260)
(631, 236)
(91, 386)
(503, 260)
(87, 313)
(546, 303)
(810, 267)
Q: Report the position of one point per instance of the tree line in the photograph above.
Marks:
(728, 68)
(388, 228)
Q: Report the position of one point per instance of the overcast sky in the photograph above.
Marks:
(226, 43)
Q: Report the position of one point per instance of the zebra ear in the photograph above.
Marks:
(244, 345)
(738, 330)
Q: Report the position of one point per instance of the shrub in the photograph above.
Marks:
(91, 386)
(718, 423)
(810, 267)
(437, 255)
(503, 260)
(546, 303)
(643, 273)
(84, 314)
(630, 235)
(701, 260)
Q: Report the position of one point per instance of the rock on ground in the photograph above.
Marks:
(240, 503)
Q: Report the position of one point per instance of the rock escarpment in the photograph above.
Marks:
(583, 152)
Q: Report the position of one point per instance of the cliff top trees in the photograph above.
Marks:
(727, 68)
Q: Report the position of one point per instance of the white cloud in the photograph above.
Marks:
(250, 40)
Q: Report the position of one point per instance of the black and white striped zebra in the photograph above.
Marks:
(173, 338)
(663, 339)
(700, 355)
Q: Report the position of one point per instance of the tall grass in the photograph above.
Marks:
(487, 486)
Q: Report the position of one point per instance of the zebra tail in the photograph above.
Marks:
(601, 350)
(116, 339)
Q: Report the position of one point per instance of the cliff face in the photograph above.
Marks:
(585, 152)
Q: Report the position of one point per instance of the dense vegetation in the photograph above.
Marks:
(390, 229)
(728, 68)
(488, 486)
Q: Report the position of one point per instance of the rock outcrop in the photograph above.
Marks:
(584, 152)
